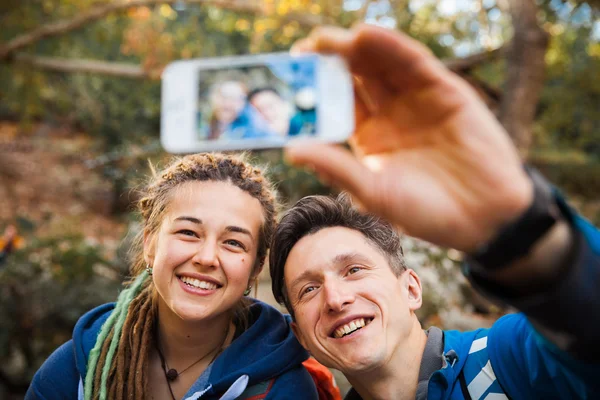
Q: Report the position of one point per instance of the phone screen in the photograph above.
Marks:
(255, 102)
(271, 101)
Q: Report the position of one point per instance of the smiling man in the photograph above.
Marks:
(341, 274)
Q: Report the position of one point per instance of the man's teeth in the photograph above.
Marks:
(198, 283)
(349, 328)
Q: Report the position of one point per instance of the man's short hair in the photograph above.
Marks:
(313, 213)
(259, 90)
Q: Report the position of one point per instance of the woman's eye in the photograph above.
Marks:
(235, 243)
(187, 232)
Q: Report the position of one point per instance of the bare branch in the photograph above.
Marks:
(126, 70)
(464, 65)
(97, 12)
(90, 66)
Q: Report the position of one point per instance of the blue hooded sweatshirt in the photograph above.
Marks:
(265, 359)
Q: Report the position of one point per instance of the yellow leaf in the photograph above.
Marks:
(242, 25)
(594, 49)
(283, 8)
(557, 29)
(186, 53)
(260, 26)
(167, 12)
(290, 29)
(552, 56)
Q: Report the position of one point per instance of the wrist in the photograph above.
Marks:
(517, 239)
(542, 266)
(509, 207)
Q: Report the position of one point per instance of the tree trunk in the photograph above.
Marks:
(526, 71)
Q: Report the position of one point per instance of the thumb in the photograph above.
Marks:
(334, 164)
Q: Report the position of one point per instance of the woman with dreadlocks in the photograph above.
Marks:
(183, 327)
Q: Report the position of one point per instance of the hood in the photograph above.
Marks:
(265, 350)
(86, 332)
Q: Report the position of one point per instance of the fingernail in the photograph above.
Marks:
(340, 34)
(303, 46)
(289, 156)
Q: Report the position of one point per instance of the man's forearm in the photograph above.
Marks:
(556, 286)
(543, 266)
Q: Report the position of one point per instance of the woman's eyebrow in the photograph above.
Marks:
(239, 229)
(190, 219)
(230, 228)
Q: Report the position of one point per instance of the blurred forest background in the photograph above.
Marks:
(79, 119)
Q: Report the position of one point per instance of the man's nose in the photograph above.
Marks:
(337, 296)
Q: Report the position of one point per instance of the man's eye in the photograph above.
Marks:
(353, 270)
(308, 290)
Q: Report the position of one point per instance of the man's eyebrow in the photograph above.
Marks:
(340, 259)
(233, 228)
(306, 275)
(349, 258)
(190, 219)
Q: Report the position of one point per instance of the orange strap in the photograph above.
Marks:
(324, 380)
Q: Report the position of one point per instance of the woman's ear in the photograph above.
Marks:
(414, 290)
(260, 263)
(149, 244)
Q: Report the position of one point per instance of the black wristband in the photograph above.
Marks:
(516, 239)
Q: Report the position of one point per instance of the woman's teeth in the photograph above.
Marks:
(350, 327)
(198, 283)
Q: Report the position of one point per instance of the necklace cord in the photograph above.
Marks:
(165, 366)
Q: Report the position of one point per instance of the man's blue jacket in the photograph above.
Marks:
(511, 360)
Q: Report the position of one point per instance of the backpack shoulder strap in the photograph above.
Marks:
(477, 377)
(258, 391)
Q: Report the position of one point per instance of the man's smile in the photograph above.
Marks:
(349, 325)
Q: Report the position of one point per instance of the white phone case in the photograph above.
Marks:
(184, 126)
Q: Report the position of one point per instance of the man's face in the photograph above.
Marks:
(352, 312)
(270, 105)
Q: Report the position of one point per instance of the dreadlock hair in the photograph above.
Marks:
(118, 363)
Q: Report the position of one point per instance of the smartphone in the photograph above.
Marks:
(255, 102)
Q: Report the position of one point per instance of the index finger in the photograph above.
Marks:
(378, 53)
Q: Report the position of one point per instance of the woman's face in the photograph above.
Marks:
(203, 253)
(228, 101)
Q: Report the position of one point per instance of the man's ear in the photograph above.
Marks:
(149, 244)
(414, 289)
(298, 334)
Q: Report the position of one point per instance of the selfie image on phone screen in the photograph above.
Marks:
(271, 101)
(255, 102)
